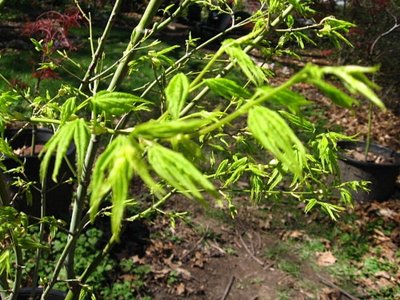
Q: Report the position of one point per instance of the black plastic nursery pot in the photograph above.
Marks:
(382, 176)
(25, 294)
(58, 195)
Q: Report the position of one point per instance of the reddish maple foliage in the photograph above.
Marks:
(53, 26)
(45, 74)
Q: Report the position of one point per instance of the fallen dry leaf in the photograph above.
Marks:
(382, 274)
(180, 289)
(325, 258)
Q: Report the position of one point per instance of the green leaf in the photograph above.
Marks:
(271, 130)
(227, 88)
(115, 103)
(6, 150)
(298, 121)
(176, 93)
(5, 262)
(361, 87)
(67, 109)
(179, 172)
(246, 64)
(292, 100)
(167, 129)
(81, 140)
(113, 172)
(59, 144)
(337, 96)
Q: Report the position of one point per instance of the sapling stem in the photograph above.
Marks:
(43, 201)
(137, 34)
(18, 266)
(101, 44)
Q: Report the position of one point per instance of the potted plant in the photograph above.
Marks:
(365, 161)
(26, 144)
(157, 133)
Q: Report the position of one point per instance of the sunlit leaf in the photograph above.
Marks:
(67, 109)
(113, 172)
(246, 64)
(179, 172)
(227, 88)
(166, 129)
(292, 100)
(115, 103)
(176, 93)
(81, 140)
(58, 144)
(271, 130)
(298, 121)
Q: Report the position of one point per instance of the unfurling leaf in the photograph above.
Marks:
(227, 88)
(355, 80)
(113, 172)
(167, 129)
(176, 93)
(115, 103)
(292, 100)
(271, 130)
(249, 68)
(179, 172)
(337, 96)
(60, 143)
(67, 109)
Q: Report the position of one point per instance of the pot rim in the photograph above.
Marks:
(70, 150)
(343, 145)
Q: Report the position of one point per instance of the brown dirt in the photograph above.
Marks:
(212, 256)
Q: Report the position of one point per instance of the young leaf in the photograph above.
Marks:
(115, 103)
(226, 88)
(271, 130)
(361, 87)
(60, 142)
(337, 96)
(179, 172)
(67, 109)
(167, 129)
(176, 93)
(292, 100)
(249, 68)
(113, 172)
(298, 121)
(81, 140)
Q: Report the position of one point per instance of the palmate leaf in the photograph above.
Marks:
(246, 64)
(176, 93)
(179, 172)
(115, 103)
(292, 100)
(271, 130)
(75, 130)
(167, 129)
(333, 93)
(226, 88)
(67, 109)
(113, 172)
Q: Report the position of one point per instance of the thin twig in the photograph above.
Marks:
(249, 252)
(332, 285)
(393, 28)
(193, 248)
(228, 288)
